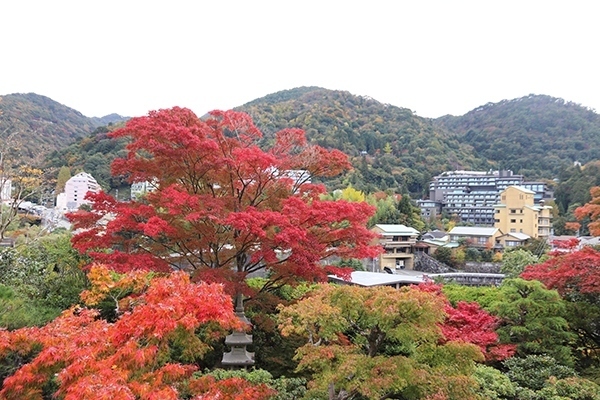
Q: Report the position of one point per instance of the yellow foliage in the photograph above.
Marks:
(351, 194)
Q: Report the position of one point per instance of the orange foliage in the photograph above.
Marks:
(128, 359)
(591, 210)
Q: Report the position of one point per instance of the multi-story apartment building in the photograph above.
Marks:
(398, 243)
(471, 195)
(517, 212)
(75, 190)
(430, 209)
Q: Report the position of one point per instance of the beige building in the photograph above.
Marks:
(398, 243)
(517, 213)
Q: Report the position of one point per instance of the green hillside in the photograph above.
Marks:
(537, 136)
(42, 125)
(390, 147)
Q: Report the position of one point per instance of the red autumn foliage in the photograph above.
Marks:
(565, 244)
(568, 273)
(223, 207)
(468, 322)
(228, 389)
(129, 359)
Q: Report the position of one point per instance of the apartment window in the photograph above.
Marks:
(513, 230)
(512, 221)
(521, 221)
(513, 211)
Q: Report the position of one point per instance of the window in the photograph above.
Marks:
(513, 230)
(521, 221)
(513, 211)
(512, 221)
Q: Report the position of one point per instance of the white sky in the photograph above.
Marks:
(433, 57)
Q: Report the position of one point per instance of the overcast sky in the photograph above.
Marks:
(433, 57)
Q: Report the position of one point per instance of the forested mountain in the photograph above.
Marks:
(93, 154)
(41, 125)
(537, 136)
(390, 147)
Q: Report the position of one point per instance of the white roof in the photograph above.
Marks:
(397, 229)
(435, 242)
(364, 278)
(473, 231)
(518, 235)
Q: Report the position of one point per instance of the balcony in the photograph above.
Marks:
(390, 243)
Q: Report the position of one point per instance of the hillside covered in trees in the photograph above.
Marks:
(41, 125)
(536, 136)
(390, 147)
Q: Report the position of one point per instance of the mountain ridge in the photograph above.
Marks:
(390, 147)
(44, 125)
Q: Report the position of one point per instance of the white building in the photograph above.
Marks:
(75, 190)
(139, 189)
(5, 191)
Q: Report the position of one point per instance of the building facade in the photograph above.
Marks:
(398, 243)
(5, 191)
(470, 196)
(517, 212)
(476, 236)
(75, 190)
(139, 189)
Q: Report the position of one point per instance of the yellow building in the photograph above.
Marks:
(517, 213)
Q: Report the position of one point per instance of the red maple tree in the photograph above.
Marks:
(223, 207)
(569, 273)
(468, 322)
